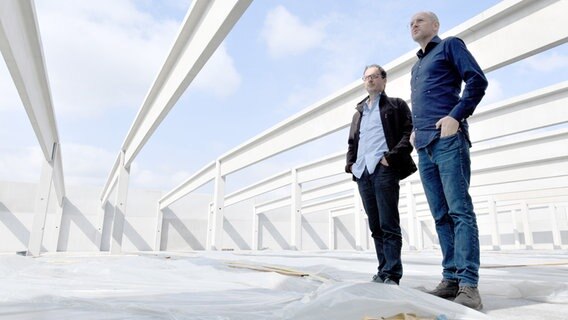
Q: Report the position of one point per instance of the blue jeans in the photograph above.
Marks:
(445, 172)
(380, 192)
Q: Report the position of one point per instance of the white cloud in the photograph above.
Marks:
(219, 75)
(101, 56)
(494, 92)
(285, 34)
(162, 178)
(86, 165)
(21, 164)
(548, 62)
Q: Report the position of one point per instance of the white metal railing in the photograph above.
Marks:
(204, 28)
(499, 24)
(20, 43)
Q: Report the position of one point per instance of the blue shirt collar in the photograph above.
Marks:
(434, 42)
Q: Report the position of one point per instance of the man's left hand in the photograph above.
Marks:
(449, 126)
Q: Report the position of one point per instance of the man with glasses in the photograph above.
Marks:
(378, 157)
(442, 141)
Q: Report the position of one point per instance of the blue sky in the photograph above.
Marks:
(282, 56)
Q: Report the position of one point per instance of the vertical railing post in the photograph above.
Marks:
(120, 207)
(411, 214)
(556, 236)
(495, 236)
(216, 229)
(295, 212)
(515, 221)
(357, 213)
(159, 228)
(529, 241)
(255, 234)
(41, 206)
(331, 231)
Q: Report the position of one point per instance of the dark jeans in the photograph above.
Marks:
(445, 172)
(380, 192)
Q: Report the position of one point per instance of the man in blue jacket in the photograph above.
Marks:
(442, 141)
(378, 156)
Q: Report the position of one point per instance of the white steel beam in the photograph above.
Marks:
(41, 205)
(556, 235)
(481, 32)
(194, 182)
(328, 189)
(20, 44)
(218, 210)
(205, 26)
(272, 205)
(495, 235)
(411, 215)
(295, 212)
(341, 211)
(321, 168)
(270, 184)
(255, 233)
(331, 231)
(328, 204)
(358, 213)
(120, 207)
(316, 121)
(159, 227)
(100, 222)
(111, 182)
(527, 231)
(522, 113)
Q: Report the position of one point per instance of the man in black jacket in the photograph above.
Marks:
(378, 156)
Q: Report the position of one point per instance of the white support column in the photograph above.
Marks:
(411, 207)
(357, 213)
(159, 226)
(57, 226)
(420, 233)
(556, 237)
(216, 229)
(295, 212)
(515, 221)
(120, 207)
(210, 226)
(61, 201)
(255, 233)
(529, 241)
(41, 205)
(331, 234)
(100, 225)
(495, 236)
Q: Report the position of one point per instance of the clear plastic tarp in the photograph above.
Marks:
(271, 285)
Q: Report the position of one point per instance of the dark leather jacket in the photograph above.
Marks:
(397, 126)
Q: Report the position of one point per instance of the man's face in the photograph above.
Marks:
(374, 82)
(423, 27)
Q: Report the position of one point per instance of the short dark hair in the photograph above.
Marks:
(383, 72)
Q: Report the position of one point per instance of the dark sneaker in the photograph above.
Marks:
(390, 281)
(447, 289)
(469, 297)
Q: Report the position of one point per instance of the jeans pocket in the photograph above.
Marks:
(450, 136)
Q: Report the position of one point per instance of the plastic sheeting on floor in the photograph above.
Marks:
(271, 285)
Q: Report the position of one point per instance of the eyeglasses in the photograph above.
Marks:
(371, 76)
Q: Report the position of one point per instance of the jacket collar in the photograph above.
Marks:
(361, 103)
